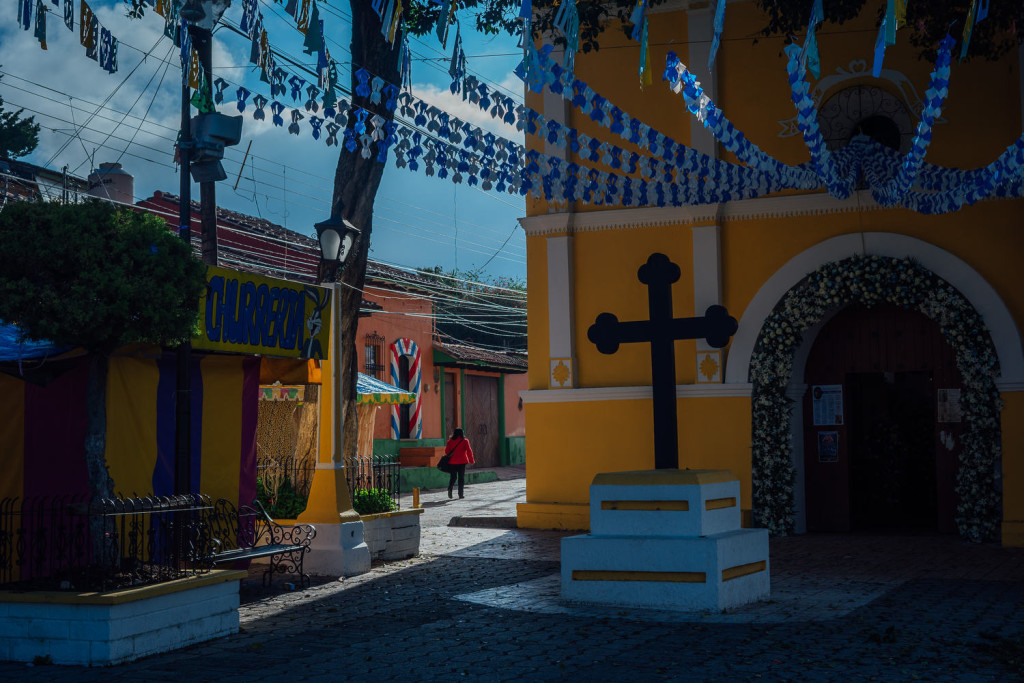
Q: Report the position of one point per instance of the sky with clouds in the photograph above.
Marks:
(89, 117)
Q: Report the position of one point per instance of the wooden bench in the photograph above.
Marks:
(420, 456)
(249, 533)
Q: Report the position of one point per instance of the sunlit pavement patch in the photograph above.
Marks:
(804, 601)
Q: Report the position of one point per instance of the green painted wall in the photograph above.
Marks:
(513, 450)
(433, 478)
(392, 446)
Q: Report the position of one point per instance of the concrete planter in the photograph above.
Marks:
(392, 535)
(99, 629)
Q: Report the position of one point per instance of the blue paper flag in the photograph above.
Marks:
(876, 68)
(810, 52)
(716, 39)
(890, 22)
(637, 18)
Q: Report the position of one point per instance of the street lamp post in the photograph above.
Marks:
(336, 236)
(338, 548)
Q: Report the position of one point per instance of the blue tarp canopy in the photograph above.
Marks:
(374, 391)
(13, 350)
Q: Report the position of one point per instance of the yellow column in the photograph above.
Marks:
(329, 499)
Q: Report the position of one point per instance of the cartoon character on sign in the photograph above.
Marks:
(314, 323)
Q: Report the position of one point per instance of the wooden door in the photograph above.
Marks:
(451, 401)
(896, 448)
(892, 450)
(481, 417)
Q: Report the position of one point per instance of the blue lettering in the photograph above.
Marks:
(214, 294)
(270, 321)
(231, 331)
(291, 328)
(246, 306)
(259, 322)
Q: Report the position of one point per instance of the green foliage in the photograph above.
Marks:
(288, 504)
(94, 276)
(372, 501)
(927, 22)
(18, 136)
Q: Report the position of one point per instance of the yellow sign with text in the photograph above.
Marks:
(247, 313)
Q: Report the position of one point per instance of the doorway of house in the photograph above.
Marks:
(482, 419)
(403, 410)
(881, 424)
(450, 403)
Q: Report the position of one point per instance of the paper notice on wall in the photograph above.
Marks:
(827, 404)
(949, 406)
(828, 446)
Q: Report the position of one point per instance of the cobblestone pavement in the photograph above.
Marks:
(483, 604)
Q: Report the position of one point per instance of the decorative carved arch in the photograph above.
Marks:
(982, 296)
(869, 280)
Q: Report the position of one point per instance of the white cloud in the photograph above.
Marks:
(443, 98)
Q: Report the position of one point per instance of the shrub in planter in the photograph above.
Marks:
(372, 501)
(288, 504)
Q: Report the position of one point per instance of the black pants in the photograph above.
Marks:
(460, 472)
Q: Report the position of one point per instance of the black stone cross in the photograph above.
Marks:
(661, 331)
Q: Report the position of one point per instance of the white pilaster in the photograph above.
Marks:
(561, 313)
(707, 271)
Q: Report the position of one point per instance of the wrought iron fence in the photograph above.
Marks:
(284, 485)
(380, 472)
(69, 543)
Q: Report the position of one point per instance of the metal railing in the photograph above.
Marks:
(69, 543)
(366, 472)
(281, 480)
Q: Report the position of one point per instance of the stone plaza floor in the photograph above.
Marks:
(481, 603)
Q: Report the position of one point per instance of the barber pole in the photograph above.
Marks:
(407, 347)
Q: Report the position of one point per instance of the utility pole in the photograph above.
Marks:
(183, 395)
(203, 40)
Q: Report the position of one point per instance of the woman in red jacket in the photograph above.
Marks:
(462, 455)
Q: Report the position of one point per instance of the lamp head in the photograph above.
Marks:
(336, 236)
(204, 13)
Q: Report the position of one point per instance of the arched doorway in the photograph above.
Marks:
(873, 281)
(403, 410)
(882, 425)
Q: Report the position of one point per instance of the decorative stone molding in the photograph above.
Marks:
(633, 393)
(983, 297)
(812, 204)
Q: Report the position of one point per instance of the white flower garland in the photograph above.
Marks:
(870, 280)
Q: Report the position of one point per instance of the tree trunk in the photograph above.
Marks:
(100, 483)
(355, 187)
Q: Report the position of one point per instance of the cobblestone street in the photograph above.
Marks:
(482, 604)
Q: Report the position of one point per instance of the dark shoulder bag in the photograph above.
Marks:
(445, 463)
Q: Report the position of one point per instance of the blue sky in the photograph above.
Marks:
(89, 117)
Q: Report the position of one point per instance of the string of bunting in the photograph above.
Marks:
(99, 43)
(935, 189)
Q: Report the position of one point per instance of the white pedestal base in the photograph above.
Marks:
(668, 539)
(338, 550)
(667, 572)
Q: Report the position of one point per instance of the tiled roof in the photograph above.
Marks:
(384, 274)
(475, 356)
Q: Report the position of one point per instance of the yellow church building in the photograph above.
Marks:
(876, 378)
